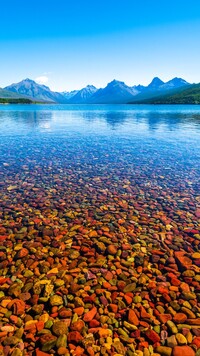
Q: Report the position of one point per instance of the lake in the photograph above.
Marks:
(100, 215)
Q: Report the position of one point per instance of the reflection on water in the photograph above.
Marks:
(101, 120)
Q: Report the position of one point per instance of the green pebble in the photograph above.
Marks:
(48, 324)
(157, 329)
(61, 341)
(47, 346)
(198, 353)
(113, 282)
(19, 333)
(28, 274)
(44, 331)
(175, 306)
(185, 326)
(121, 304)
(70, 297)
(59, 283)
(129, 326)
(189, 295)
(122, 332)
(172, 327)
(8, 314)
(129, 288)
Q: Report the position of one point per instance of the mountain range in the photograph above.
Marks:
(116, 92)
(187, 95)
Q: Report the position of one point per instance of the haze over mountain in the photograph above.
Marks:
(116, 92)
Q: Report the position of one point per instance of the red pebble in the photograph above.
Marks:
(94, 323)
(196, 342)
(74, 337)
(183, 351)
(152, 336)
(90, 314)
(132, 317)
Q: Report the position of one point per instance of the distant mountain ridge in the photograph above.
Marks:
(115, 92)
(157, 88)
(185, 95)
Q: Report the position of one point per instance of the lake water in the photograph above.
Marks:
(92, 191)
(114, 142)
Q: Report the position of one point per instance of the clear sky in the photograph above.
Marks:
(68, 44)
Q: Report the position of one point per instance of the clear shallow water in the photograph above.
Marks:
(151, 146)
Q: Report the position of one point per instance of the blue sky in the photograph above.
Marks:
(69, 44)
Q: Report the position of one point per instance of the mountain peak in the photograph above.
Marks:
(89, 86)
(28, 80)
(155, 83)
(177, 80)
(115, 81)
(175, 83)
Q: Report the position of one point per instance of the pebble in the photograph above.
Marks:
(132, 317)
(179, 318)
(56, 300)
(181, 339)
(172, 327)
(59, 328)
(172, 341)
(90, 314)
(183, 350)
(48, 341)
(98, 261)
(164, 350)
